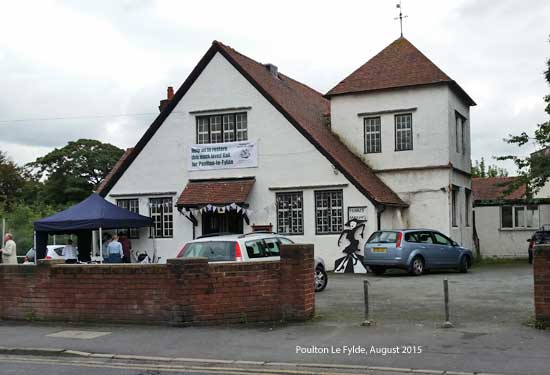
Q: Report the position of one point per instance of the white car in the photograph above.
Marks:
(250, 247)
(53, 252)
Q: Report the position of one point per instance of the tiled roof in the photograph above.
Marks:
(113, 171)
(305, 108)
(302, 106)
(215, 192)
(493, 188)
(400, 64)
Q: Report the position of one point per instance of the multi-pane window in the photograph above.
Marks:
(329, 217)
(373, 140)
(222, 128)
(290, 213)
(467, 205)
(519, 217)
(131, 205)
(460, 135)
(161, 211)
(454, 206)
(403, 132)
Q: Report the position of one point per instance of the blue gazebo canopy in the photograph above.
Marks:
(92, 213)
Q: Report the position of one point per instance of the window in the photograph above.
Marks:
(454, 206)
(441, 239)
(222, 128)
(460, 135)
(425, 237)
(373, 140)
(519, 217)
(383, 237)
(161, 211)
(272, 247)
(256, 249)
(467, 205)
(290, 213)
(131, 205)
(403, 132)
(329, 211)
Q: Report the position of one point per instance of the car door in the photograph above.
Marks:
(428, 249)
(448, 253)
(272, 247)
(256, 250)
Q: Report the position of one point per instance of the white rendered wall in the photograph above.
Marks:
(430, 123)
(286, 159)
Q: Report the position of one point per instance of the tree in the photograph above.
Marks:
(479, 170)
(11, 181)
(72, 172)
(533, 170)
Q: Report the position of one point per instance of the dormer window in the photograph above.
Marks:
(221, 128)
(403, 132)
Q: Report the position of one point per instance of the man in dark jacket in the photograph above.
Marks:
(126, 247)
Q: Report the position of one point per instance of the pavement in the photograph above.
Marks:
(489, 310)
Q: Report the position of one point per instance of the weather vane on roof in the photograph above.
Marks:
(401, 16)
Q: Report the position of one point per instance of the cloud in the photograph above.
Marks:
(85, 59)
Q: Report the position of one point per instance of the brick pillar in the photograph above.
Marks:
(541, 274)
(297, 282)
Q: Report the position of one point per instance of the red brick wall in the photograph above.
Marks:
(186, 292)
(541, 273)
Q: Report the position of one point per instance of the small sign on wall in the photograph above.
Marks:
(358, 213)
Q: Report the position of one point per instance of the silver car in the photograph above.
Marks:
(250, 247)
(415, 250)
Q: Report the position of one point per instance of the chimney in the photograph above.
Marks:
(272, 69)
(169, 96)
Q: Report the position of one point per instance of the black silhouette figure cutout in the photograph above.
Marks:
(352, 262)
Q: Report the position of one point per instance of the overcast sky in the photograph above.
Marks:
(97, 69)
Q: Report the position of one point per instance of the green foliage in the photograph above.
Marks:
(20, 221)
(479, 170)
(533, 170)
(11, 181)
(50, 184)
(72, 172)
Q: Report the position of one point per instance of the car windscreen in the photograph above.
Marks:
(215, 251)
(383, 237)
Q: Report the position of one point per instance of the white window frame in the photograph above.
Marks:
(132, 205)
(454, 206)
(403, 132)
(161, 210)
(373, 134)
(222, 127)
(329, 218)
(290, 212)
(515, 210)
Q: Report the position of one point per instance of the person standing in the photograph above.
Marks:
(9, 252)
(115, 251)
(126, 247)
(70, 253)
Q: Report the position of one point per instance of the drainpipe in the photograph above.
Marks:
(379, 211)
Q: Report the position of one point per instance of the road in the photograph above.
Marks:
(489, 310)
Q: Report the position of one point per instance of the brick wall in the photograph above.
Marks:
(541, 273)
(181, 292)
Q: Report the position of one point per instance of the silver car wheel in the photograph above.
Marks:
(418, 266)
(320, 280)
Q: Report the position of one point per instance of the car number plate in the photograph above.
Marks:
(379, 249)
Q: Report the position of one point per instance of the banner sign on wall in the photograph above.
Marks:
(223, 156)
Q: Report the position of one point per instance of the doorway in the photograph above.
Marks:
(227, 222)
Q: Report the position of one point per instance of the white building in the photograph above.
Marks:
(505, 220)
(240, 144)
